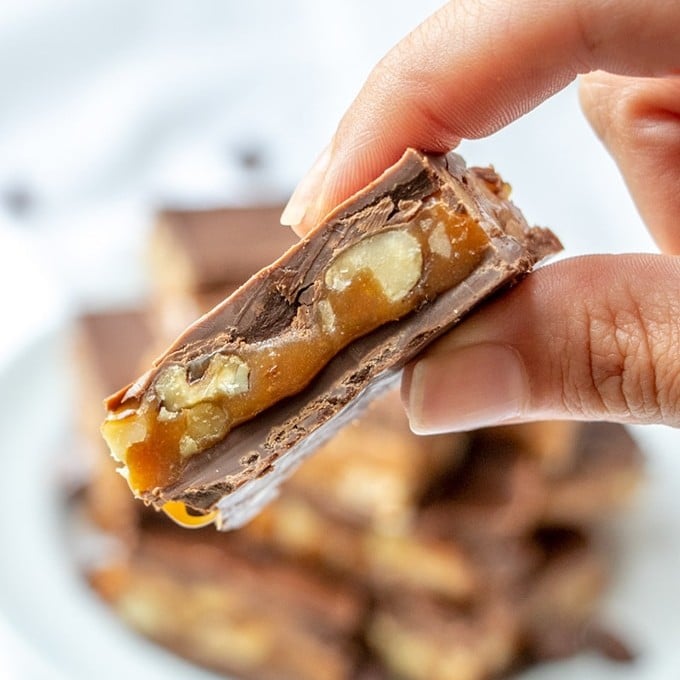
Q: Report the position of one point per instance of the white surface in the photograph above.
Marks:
(116, 107)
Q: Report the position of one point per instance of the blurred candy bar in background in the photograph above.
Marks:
(387, 555)
(197, 257)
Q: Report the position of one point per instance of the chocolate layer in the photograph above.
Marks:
(241, 472)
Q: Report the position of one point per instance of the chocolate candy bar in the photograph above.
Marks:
(605, 473)
(424, 639)
(550, 614)
(240, 614)
(559, 604)
(375, 470)
(109, 350)
(384, 561)
(200, 250)
(504, 486)
(496, 487)
(271, 373)
(199, 257)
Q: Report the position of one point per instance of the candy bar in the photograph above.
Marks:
(262, 380)
(109, 349)
(201, 250)
(236, 612)
(423, 639)
(295, 528)
(558, 605)
(199, 257)
(497, 487)
(505, 487)
(547, 615)
(606, 471)
(375, 470)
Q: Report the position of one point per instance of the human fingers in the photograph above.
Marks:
(474, 66)
(638, 119)
(594, 338)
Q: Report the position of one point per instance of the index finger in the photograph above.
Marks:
(475, 65)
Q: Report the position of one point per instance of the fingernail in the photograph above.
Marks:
(306, 191)
(466, 388)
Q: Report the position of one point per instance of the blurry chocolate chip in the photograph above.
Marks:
(610, 645)
(553, 642)
(251, 157)
(17, 199)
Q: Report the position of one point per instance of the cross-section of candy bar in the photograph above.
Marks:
(263, 379)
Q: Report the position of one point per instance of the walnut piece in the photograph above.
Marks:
(122, 432)
(206, 423)
(225, 376)
(394, 258)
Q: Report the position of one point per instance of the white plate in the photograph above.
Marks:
(70, 634)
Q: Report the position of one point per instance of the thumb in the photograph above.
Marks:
(594, 337)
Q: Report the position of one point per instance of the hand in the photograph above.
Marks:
(587, 338)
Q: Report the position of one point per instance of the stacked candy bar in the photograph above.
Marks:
(109, 347)
(387, 555)
(198, 258)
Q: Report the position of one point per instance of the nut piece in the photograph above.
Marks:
(327, 316)
(225, 376)
(165, 416)
(394, 258)
(122, 432)
(205, 424)
(439, 242)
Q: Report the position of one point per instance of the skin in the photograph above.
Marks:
(610, 354)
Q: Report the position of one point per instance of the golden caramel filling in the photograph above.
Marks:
(379, 279)
(178, 512)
